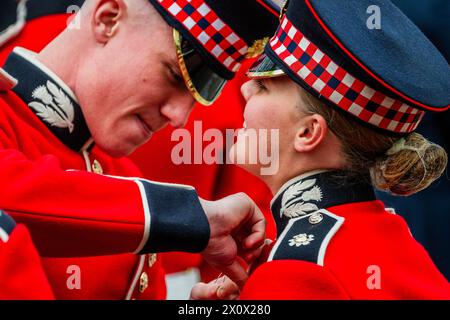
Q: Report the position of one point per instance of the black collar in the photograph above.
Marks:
(49, 98)
(318, 190)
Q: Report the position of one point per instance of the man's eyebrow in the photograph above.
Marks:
(168, 59)
(171, 63)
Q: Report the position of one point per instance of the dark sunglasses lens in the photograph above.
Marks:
(264, 68)
(208, 84)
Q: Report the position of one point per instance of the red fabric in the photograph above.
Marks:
(72, 214)
(21, 273)
(38, 174)
(369, 236)
(36, 34)
(292, 280)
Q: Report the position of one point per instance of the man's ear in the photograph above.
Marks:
(310, 134)
(106, 19)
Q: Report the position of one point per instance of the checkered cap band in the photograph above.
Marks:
(211, 32)
(334, 83)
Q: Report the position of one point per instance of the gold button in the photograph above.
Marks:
(315, 218)
(143, 282)
(96, 167)
(151, 259)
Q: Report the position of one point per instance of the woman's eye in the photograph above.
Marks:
(260, 85)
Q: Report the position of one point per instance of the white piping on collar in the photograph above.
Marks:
(31, 57)
(294, 180)
(14, 29)
(4, 237)
(87, 145)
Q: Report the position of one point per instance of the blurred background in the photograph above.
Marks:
(428, 213)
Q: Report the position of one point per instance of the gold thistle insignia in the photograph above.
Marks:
(257, 48)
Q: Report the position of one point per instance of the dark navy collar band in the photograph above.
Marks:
(317, 190)
(7, 225)
(51, 100)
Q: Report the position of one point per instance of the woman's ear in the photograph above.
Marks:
(106, 19)
(310, 134)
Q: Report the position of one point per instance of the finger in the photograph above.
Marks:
(228, 290)
(257, 225)
(254, 240)
(236, 272)
(205, 291)
(252, 255)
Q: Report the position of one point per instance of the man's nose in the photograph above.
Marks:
(177, 110)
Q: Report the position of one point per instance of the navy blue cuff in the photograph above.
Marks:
(7, 225)
(177, 219)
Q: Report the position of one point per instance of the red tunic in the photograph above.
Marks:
(83, 220)
(356, 250)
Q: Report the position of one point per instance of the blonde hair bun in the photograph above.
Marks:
(409, 166)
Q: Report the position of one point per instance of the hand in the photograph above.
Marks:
(220, 289)
(237, 229)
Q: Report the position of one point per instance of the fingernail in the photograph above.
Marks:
(220, 292)
(233, 297)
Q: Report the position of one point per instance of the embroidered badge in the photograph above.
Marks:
(55, 107)
(302, 239)
(305, 191)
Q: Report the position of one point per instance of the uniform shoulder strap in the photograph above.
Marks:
(306, 238)
(7, 82)
(15, 15)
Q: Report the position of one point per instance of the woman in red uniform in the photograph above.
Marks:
(345, 97)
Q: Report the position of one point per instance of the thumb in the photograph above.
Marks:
(205, 291)
(236, 272)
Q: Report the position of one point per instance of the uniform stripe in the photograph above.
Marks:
(330, 235)
(14, 29)
(145, 208)
(136, 277)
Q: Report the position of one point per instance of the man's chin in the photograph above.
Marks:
(118, 151)
(121, 147)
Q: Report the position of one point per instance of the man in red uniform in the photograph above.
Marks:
(63, 100)
(21, 272)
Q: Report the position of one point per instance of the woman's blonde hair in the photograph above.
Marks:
(400, 166)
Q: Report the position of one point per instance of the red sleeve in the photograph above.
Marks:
(70, 213)
(21, 273)
(292, 280)
(75, 213)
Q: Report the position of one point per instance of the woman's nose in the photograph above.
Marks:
(246, 90)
